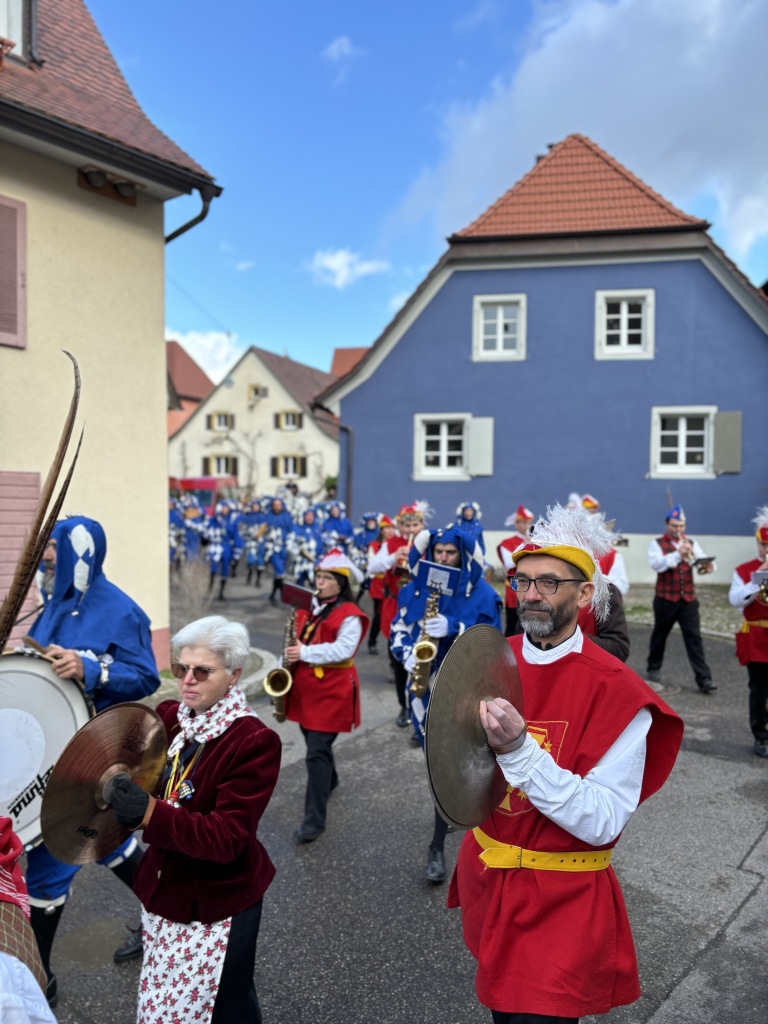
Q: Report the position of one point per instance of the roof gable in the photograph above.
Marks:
(188, 379)
(577, 188)
(79, 83)
(345, 359)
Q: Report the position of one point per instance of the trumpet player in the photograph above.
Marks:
(473, 601)
(751, 596)
(325, 696)
(673, 556)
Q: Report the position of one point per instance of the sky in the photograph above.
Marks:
(352, 138)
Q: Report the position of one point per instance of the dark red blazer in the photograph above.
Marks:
(204, 862)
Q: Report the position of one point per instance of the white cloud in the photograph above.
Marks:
(341, 49)
(398, 301)
(216, 352)
(341, 267)
(245, 265)
(672, 90)
(483, 12)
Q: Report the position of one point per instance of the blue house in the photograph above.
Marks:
(583, 334)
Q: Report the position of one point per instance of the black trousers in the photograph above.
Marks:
(236, 1001)
(373, 632)
(530, 1018)
(666, 614)
(401, 678)
(758, 699)
(321, 776)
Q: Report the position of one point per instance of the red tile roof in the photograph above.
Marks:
(80, 83)
(176, 418)
(189, 381)
(577, 188)
(345, 359)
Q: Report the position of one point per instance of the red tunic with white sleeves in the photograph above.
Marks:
(550, 942)
(510, 544)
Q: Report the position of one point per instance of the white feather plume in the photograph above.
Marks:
(761, 519)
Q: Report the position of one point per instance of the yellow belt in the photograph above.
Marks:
(320, 669)
(502, 855)
(748, 623)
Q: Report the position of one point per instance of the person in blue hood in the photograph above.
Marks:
(468, 516)
(99, 637)
(473, 601)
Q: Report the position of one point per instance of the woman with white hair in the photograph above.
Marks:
(203, 877)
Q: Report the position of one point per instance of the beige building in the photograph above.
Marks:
(259, 426)
(84, 176)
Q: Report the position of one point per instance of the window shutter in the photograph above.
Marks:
(233, 465)
(13, 306)
(231, 421)
(727, 442)
(480, 446)
(209, 422)
(277, 421)
(303, 466)
(300, 423)
(206, 466)
(273, 466)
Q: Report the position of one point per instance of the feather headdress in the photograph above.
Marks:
(761, 524)
(578, 537)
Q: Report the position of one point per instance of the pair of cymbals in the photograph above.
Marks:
(465, 781)
(77, 821)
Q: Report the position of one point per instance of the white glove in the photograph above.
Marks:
(436, 627)
(409, 662)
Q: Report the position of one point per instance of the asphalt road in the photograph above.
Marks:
(352, 933)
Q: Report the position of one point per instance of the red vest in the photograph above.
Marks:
(674, 584)
(394, 581)
(510, 544)
(325, 698)
(376, 586)
(550, 942)
(752, 639)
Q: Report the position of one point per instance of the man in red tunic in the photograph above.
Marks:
(542, 910)
(751, 597)
(521, 520)
(325, 696)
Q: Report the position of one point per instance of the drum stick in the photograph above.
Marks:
(35, 645)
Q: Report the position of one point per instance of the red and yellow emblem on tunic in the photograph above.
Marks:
(550, 736)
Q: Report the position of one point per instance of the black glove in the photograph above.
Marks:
(129, 801)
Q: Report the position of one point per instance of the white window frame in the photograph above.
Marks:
(284, 473)
(702, 471)
(12, 24)
(217, 424)
(227, 461)
(623, 350)
(289, 419)
(479, 302)
(423, 472)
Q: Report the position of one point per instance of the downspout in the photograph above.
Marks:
(314, 406)
(207, 193)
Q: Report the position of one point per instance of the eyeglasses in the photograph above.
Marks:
(544, 584)
(199, 672)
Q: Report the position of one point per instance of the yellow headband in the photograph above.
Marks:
(567, 552)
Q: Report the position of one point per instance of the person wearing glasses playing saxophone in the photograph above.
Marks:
(674, 557)
(324, 698)
(749, 592)
(439, 618)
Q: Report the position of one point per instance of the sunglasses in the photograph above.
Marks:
(199, 672)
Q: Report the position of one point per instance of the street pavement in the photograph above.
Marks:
(352, 932)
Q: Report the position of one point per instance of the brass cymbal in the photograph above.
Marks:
(77, 822)
(465, 781)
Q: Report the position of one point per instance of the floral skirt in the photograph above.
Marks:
(181, 971)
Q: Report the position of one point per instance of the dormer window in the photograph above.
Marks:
(13, 26)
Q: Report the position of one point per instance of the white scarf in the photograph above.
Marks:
(211, 723)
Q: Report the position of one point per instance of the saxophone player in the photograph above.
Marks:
(750, 594)
(325, 696)
(473, 601)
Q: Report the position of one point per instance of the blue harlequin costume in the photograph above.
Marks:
(223, 541)
(252, 530)
(279, 525)
(176, 533)
(337, 530)
(194, 524)
(365, 535)
(468, 516)
(109, 631)
(305, 543)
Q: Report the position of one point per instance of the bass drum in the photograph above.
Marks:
(39, 715)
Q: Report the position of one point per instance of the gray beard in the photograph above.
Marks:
(536, 625)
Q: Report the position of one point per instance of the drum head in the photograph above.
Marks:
(39, 715)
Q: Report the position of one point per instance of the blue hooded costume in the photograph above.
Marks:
(473, 601)
(472, 526)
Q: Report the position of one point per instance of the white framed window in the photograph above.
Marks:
(624, 324)
(289, 419)
(288, 467)
(220, 422)
(682, 441)
(12, 24)
(498, 327)
(452, 446)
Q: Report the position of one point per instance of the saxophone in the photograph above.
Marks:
(278, 681)
(425, 649)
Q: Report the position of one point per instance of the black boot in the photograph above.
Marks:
(211, 578)
(249, 574)
(276, 586)
(221, 588)
(44, 924)
(258, 577)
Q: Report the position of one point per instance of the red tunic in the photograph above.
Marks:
(326, 698)
(752, 639)
(549, 942)
(394, 581)
(510, 544)
(376, 586)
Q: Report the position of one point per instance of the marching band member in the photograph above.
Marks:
(392, 560)
(522, 521)
(366, 533)
(387, 529)
(468, 516)
(542, 911)
(305, 544)
(223, 540)
(611, 563)
(325, 695)
(279, 525)
(336, 529)
(473, 601)
(752, 639)
(252, 530)
(100, 638)
(672, 556)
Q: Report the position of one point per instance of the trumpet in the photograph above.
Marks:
(402, 566)
(278, 681)
(425, 649)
